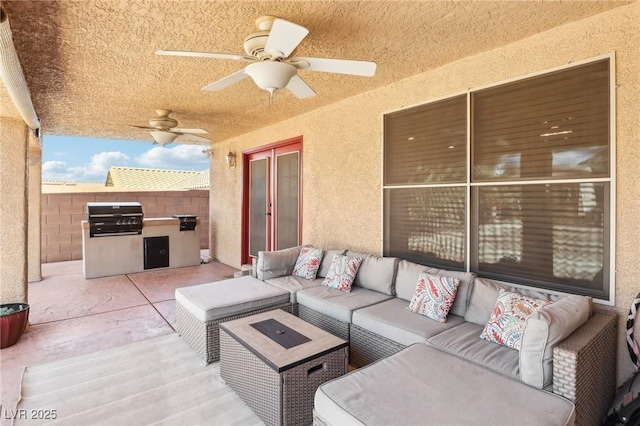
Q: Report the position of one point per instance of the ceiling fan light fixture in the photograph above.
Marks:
(271, 75)
(163, 121)
(163, 137)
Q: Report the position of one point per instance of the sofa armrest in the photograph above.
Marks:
(584, 368)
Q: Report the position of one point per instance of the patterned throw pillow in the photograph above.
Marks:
(509, 317)
(308, 263)
(342, 272)
(434, 296)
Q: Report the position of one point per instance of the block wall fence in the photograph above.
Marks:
(62, 214)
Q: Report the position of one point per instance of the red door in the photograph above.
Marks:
(272, 200)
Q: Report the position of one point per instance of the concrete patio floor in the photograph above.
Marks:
(70, 315)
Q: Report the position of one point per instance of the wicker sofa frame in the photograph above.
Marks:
(325, 322)
(204, 337)
(584, 368)
(366, 347)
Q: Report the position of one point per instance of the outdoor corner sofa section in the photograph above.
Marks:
(567, 350)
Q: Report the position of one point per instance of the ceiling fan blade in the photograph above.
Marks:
(338, 66)
(300, 88)
(205, 55)
(284, 37)
(195, 131)
(227, 81)
(193, 137)
(142, 127)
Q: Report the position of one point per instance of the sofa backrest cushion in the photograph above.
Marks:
(407, 279)
(274, 264)
(545, 328)
(376, 273)
(326, 261)
(484, 296)
(459, 306)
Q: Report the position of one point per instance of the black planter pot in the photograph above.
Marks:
(13, 325)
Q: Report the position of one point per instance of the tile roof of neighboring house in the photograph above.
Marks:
(131, 177)
(64, 186)
(197, 181)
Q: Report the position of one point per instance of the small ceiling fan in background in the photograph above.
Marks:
(271, 68)
(164, 130)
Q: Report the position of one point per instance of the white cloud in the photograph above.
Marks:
(58, 170)
(100, 163)
(178, 157)
(94, 171)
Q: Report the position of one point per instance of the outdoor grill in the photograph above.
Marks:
(113, 219)
(187, 221)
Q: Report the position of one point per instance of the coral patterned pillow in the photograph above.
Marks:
(342, 272)
(509, 318)
(308, 263)
(434, 296)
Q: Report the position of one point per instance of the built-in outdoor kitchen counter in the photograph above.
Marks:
(116, 240)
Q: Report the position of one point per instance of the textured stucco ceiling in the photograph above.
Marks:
(91, 67)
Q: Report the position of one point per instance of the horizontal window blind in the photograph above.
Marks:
(553, 128)
(427, 143)
(549, 235)
(546, 127)
(426, 225)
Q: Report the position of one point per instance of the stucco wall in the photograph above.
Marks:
(62, 214)
(34, 270)
(343, 145)
(13, 211)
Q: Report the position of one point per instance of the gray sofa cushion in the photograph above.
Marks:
(485, 294)
(338, 304)
(392, 320)
(464, 341)
(273, 264)
(293, 284)
(407, 278)
(459, 306)
(221, 299)
(545, 328)
(422, 385)
(376, 273)
(326, 261)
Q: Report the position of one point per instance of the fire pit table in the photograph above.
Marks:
(275, 362)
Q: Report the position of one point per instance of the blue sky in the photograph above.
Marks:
(88, 160)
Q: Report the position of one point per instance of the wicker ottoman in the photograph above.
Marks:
(200, 308)
(275, 362)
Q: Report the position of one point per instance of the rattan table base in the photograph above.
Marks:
(284, 398)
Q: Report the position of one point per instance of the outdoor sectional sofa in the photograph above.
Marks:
(566, 348)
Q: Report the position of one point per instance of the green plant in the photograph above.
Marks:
(4, 310)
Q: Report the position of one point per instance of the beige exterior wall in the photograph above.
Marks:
(13, 211)
(34, 271)
(343, 146)
(62, 215)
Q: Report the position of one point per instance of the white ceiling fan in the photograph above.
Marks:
(163, 129)
(271, 68)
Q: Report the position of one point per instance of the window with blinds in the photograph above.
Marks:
(424, 176)
(538, 181)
